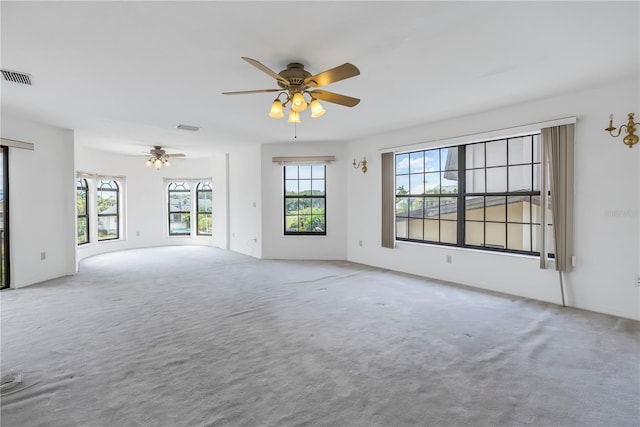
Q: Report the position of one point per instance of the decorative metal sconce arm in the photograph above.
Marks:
(361, 164)
(286, 100)
(631, 138)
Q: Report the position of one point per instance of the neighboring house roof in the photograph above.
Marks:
(472, 204)
(112, 210)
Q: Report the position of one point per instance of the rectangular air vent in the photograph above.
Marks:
(16, 77)
(188, 127)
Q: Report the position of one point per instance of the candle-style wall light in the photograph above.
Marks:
(631, 138)
(362, 164)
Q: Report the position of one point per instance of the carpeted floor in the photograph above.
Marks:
(196, 336)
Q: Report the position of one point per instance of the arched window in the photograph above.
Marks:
(179, 209)
(204, 203)
(108, 210)
(82, 207)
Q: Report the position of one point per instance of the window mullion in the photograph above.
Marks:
(462, 189)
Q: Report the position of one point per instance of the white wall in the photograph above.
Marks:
(606, 207)
(145, 203)
(607, 201)
(41, 202)
(244, 201)
(275, 243)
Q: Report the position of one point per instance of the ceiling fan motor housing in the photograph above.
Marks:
(157, 151)
(296, 74)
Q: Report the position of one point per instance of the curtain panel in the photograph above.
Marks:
(558, 150)
(388, 202)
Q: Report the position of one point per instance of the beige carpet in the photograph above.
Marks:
(195, 336)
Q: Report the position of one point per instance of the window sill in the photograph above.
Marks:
(470, 250)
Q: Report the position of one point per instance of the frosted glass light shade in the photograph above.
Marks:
(294, 117)
(298, 104)
(277, 111)
(316, 109)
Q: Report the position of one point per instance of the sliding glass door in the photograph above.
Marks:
(4, 218)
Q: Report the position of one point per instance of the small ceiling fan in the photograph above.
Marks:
(295, 82)
(160, 157)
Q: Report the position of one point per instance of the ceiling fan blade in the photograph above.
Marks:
(336, 74)
(175, 155)
(242, 92)
(335, 98)
(264, 68)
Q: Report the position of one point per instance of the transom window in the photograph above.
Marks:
(108, 210)
(304, 200)
(179, 209)
(484, 195)
(82, 207)
(204, 204)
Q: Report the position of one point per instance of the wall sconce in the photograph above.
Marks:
(631, 138)
(361, 164)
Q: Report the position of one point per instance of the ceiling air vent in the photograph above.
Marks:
(188, 127)
(16, 77)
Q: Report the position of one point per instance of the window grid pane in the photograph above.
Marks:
(499, 209)
(204, 207)
(305, 200)
(179, 209)
(434, 174)
(82, 207)
(108, 210)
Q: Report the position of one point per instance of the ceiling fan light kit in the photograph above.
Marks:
(295, 82)
(159, 157)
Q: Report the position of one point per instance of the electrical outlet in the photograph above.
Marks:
(637, 282)
(449, 259)
(43, 256)
(360, 243)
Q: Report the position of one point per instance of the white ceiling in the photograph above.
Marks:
(124, 74)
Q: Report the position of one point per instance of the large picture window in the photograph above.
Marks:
(108, 210)
(204, 204)
(179, 209)
(82, 208)
(304, 200)
(484, 195)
